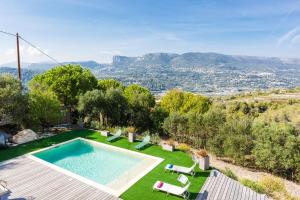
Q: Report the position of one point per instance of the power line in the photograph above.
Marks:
(34, 46)
(50, 57)
(7, 33)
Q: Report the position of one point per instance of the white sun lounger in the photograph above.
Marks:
(180, 169)
(174, 189)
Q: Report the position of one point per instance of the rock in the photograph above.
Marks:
(24, 136)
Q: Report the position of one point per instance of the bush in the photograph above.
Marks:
(183, 147)
(96, 125)
(229, 173)
(155, 139)
(272, 185)
(277, 148)
(131, 129)
(202, 153)
(253, 185)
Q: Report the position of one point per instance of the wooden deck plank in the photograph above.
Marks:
(233, 190)
(226, 190)
(237, 192)
(211, 180)
(218, 186)
(30, 179)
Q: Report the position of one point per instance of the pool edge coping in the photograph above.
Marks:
(105, 188)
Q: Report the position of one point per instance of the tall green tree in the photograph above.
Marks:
(68, 82)
(179, 101)
(277, 148)
(141, 102)
(109, 108)
(44, 108)
(13, 103)
(195, 103)
(177, 126)
(173, 100)
(117, 106)
(106, 84)
(157, 116)
(93, 105)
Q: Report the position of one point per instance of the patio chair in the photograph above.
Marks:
(145, 141)
(115, 136)
(181, 169)
(174, 189)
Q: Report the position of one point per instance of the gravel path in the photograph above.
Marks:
(242, 172)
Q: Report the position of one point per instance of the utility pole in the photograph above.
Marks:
(18, 56)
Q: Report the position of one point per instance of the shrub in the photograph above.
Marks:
(131, 129)
(112, 129)
(155, 139)
(229, 173)
(170, 142)
(202, 153)
(96, 125)
(253, 185)
(272, 185)
(183, 147)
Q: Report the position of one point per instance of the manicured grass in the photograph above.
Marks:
(143, 188)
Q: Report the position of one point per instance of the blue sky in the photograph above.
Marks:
(72, 30)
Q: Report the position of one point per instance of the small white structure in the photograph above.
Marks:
(104, 133)
(203, 162)
(24, 136)
(131, 137)
(168, 147)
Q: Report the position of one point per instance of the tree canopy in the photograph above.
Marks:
(106, 84)
(140, 101)
(44, 108)
(68, 82)
(13, 102)
(109, 108)
(183, 102)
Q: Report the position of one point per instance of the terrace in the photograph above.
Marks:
(29, 179)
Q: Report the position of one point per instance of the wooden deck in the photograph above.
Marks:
(220, 187)
(28, 179)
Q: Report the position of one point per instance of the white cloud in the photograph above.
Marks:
(110, 52)
(10, 52)
(24, 51)
(33, 52)
(291, 37)
(107, 55)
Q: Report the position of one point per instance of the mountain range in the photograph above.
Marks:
(211, 73)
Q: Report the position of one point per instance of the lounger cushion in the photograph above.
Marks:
(160, 184)
(170, 166)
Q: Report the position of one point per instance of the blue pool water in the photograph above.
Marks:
(94, 162)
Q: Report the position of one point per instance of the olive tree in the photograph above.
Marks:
(13, 103)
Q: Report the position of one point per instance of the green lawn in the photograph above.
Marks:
(143, 188)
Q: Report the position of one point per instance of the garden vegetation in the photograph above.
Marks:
(261, 135)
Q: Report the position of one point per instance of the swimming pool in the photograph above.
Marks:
(111, 168)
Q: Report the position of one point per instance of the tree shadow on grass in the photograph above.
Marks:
(203, 196)
(202, 174)
(144, 147)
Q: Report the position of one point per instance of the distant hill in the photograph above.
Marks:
(42, 66)
(26, 74)
(209, 73)
(214, 60)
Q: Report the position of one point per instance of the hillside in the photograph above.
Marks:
(207, 73)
